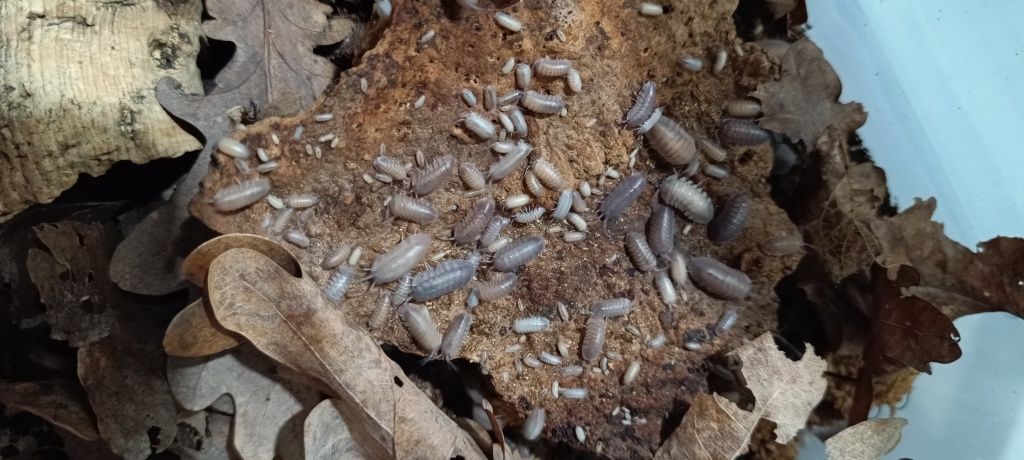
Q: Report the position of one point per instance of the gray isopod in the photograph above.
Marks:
(508, 66)
(731, 220)
(563, 206)
(401, 259)
(490, 97)
(678, 269)
(403, 290)
(743, 107)
(782, 245)
(650, 122)
(446, 277)
(532, 361)
(381, 312)
(642, 107)
(493, 230)
(611, 308)
(508, 22)
(690, 63)
(242, 195)
(640, 252)
(552, 67)
(233, 148)
(549, 358)
(518, 253)
(478, 125)
(499, 286)
(623, 195)
(548, 174)
(593, 338)
(578, 203)
(530, 325)
(391, 166)
(533, 184)
(471, 176)
(524, 76)
(740, 131)
(421, 327)
(661, 231)
(573, 237)
(711, 150)
(468, 97)
(719, 279)
(519, 126)
(571, 371)
(517, 200)
(469, 229)
(510, 162)
(506, 122)
(631, 373)
(715, 171)
(428, 179)
(726, 321)
(577, 221)
(509, 99)
(339, 282)
(297, 237)
(575, 80)
(412, 209)
(687, 198)
(529, 215)
(573, 393)
(338, 257)
(282, 220)
(455, 335)
(503, 147)
(672, 142)
(268, 167)
(542, 103)
(666, 289)
(534, 424)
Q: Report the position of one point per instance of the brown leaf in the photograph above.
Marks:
(804, 101)
(197, 264)
(72, 280)
(193, 333)
(210, 433)
(61, 402)
(289, 320)
(148, 260)
(867, 440)
(269, 409)
(780, 8)
(785, 392)
(327, 436)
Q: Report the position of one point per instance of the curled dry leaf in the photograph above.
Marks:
(269, 408)
(867, 440)
(288, 319)
(785, 392)
(326, 435)
(804, 100)
(197, 264)
(206, 438)
(61, 402)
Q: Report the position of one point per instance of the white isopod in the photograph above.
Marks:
(530, 324)
(508, 22)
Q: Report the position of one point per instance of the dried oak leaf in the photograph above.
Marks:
(953, 278)
(72, 280)
(208, 435)
(803, 102)
(288, 319)
(60, 402)
(269, 408)
(785, 392)
(867, 440)
(327, 436)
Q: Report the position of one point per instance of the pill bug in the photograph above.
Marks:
(533, 184)
(672, 142)
(499, 286)
(573, 237)
(421, 327)
(651, 9)
(506, 122)
(571, 371)
(623, 195)
(282, 220)
(593, 338)
(519, 126)
(532, 361)
(688, 198)
(403, 290)
(711, 150)
(574, 80)
(510, 162)
(493, 230)
(478, 125)
(631, 373)
(297, 237)
(275, 201)
(657, 341)
(446, 277)
(235, 197)
(721, 59)
(428, 179)
(650, 122)
(719, 279)
(517, 200)
(563, 313)
(297, 134)
(640, 252)
(357, 253)
(563, 206)
(504, 147)
(782, 245)
(743, 107)
(690, 63)
(473, 225)
(508, 22)
(666, 290)
(391, 166)
(468, 97)
(726, 321)
(530, 325)
(381, 312)
(400, 259)
(509, 65)
(573, 393)
(578, 203)
(533, 425)
(339, 282)
(233, 148)
(455, 335)
(471, 176)
(412, 209)
(268, 167)
(548, 174)
(524, 76)
(642, 107)
(611, 308)
(529, 215)
(490, 97)
(549, 358)
(541, 103)
(731, 220)
(518, 253)
(337, 257)
(577, 221)
(741, 131)
(303, 200)
(661, 231)
(678, 269)
(549, 67)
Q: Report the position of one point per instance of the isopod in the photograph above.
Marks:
(571, 371)
(510, 162)
(391, 166)
(297, 134)
(529, 215)
(575, 80)
(782, 245)
(711, 150)
(382, 8)
(517, 200)
(542, 103)
(741, 131)
(518, 253)
(672, 142)
(716, 171)
(661, 231)
(549, 358)
(611, 308)
(623, 195)
(530, 325)
(471, 176)
(726, 321)
(578, 203)
(506, 122)
(533, 184)
(721, 58)
(490, 97)
(268, 167)
(500, 286)
(303, 200)
(446, 277)
(651, 9)
(642, 107)
(508, 22)
(657, 341)
(648, 124)
(427, 36)
(473, 225)
(551, 67)
(455, 335)
(509, 65)
(493, 230)
(519, 126)
(403, 290)
(548, 174)
(339, 282)
(690, 63)
(468, 97)
(678, 269)
(524, 76)
(338, 257)
(665, 288)
(235, 197)
(233, 148)
(428, 179)
(504, 147)
(640, 252)
(412, 209)
(478, 125)
(509, 99)
(282, 220)
(297, 237)
(577, 221)
(400, 259)
(743, 108)
(573, 393)
(421, 327)
(573, 237)
(534, 424)
(631, 373)
(275, 201)
(692, 168)
(563, 206)
(687, 198)
(357, 253)
(719, 279)
(532, 361)
(381, 312)
(729, 222)
(593, 339)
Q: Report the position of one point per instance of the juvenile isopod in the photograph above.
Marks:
(268, 167)
(427, 36)
(507, 100)
(297, 134)
(642, 107)
(640, 252)
(672, 142)
(412, 209)
(302, 200)
(473, 225)
(551, 67)
(519, 126)
(235, 197)
(649, 123)
(611, 308)
(740, 131)
(593, 338)
(468, 97)
(510, 162)
(661, 231)
(542, 103)
(493, 230)
(478, 125)
(506, 122)
(499, 286)
(338, 257)
(421, 327)
(651, 9)
(678, 269)
(726, 321)
(534, 424)
(549, 358)
(524, 76)
(571, 371)
(623, 195)
(574, 80)
(721, 59)
(719, 279)
(548, 174)
(530, 325)
(711, 150)
(471, 176)
(692, 168)
(282, 220)
(529, 215)
(339, 282)
(508, 66)
(517, 200)
(382, 8)
(428, 179)
(381, 312)
(532, 361)
(573, 393)
(455, 335)
(578, 203)
(657, 341)
(631, 373)
(490, 97)
(518, 253)
(666, 290)
(357, 253)
(782, 245)
(563, 206)
(690, 63)
(233, 148)
(729, 222)
(446, 277)
(743, 107)
(577, 221)
(508, 22)
(573, 237)
(533, 184)
(391, 166)
(400, 259)
(403, 290)
(275, 201)
(504, 147)
(687, 198)
(297, 237)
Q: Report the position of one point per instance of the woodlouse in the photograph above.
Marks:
(339, 282)
(297, 237)
(640, 252)
(563, 206)
(741, 131)
(631, 373)
(577, 221)
(782, 245)
(534, 424)
(533, 184)
(233, 148)
(499, 286)
(623, 195)
(493, 230)
(391, 166)
(517, 200)
(650, 122)
(611, 308)
(509, 99)
(529, 215)
(726, 321)
(573, 393)
(339, 256)
(518, 253)
(672, 142)
(661, 231)
(715, 171)
(510, 162)
(524, 76)
(678, 269)
(549, 358)
(471, 176)
(490, 97)
(642, 107)
(275, 201)
(542, 103)
(530, 325)
(421, 327)
(666, 289)
(719, 279)
(711, 150)
(651, 9)
(504, 147)
(532, 361)
(573, 237)
(473, 225)
(381, 312)
(478, 125)
(593, 338)
(690, 63)
(551, 67)
(455, 335)
(403, 290)
(468, 97)
(688, 198)
(268, 167)
(400, 259)
(282, 220)
(428, 179)
(508, 22)
(574, 80)
(743, 107)
(508, 66)
(548, 174)
(506, 122)
(446, 277)
(731, 220)
(721, 59)
(578, 203)
(412, 209)
(657, 341)
(519, 126)
(235, 197)
(571, 371)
